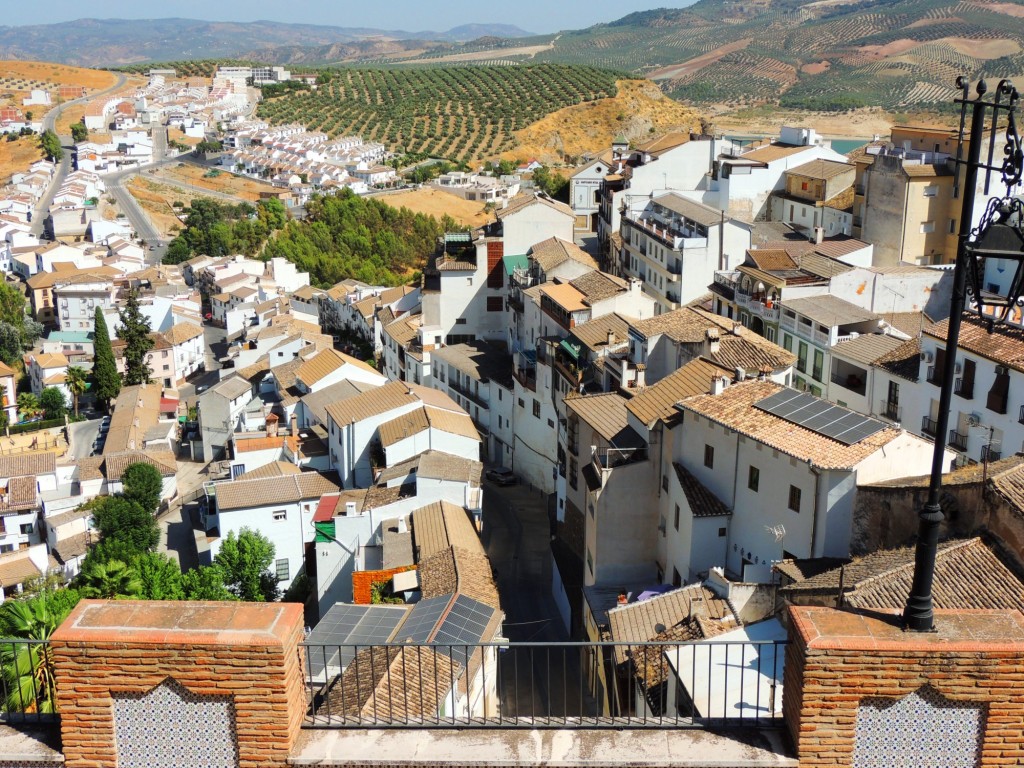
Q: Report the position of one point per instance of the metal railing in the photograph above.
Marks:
(965, 388)
(28, 688)
(957, 440)
(930, 426)
(545, 685)
(988, 453)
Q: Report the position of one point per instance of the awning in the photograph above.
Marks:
(572, 349)
(512, 263)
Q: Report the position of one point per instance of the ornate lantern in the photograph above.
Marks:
(995, 262)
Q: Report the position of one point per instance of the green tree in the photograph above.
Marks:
(160, 577)
(205, 146)
(77, 381)
(109, 581)
(10, 343)
(104, 367)
(53, 403)
(79, 132)
(28, 405)
(30, 331)
(50, 144)
(12, 305)
(205, 583)
(143, 485)
(245, 561)
(134, 332)
(28, 669)
(121, 520)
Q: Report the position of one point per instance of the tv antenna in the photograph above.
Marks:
(778, 531)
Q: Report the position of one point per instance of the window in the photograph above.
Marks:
(794, 498)
(787, 342)
(753, 478)
(460, 321)
(664, 482)
(952, 226)
(677, 580)
(495, 304)
(804, 186)
(721, 533)
(280, 514)
(469, 281)
(282, 569)
(932, 190)
(927, 227)
(675, 522)
(819, 364)
(709, 456)
(573, 472)
(536, 408)
(801, 358)
(521, 403)
(27, 529)
(769, 333)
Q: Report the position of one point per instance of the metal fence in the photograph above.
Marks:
(546, 685)
(28, 690)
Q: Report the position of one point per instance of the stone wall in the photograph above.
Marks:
(211, 684)
(886, 516)
(859, 691)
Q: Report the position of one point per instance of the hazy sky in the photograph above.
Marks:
(410, 15)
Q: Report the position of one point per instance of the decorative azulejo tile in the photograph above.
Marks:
(924, 730)
(171, 727)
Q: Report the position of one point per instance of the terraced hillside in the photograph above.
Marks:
(460, 113)
(824, 54)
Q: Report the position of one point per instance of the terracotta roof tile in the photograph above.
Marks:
(261, 492)
(822, 169)
(549, 253)
(1004, 345)
(525, 199)
(703, 503)
(387, 397)
(734, 409)
(17, 568)
(657, 402)
(24, 464)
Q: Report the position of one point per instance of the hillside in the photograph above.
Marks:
(112, 42)
(462, 113)
(637, 111)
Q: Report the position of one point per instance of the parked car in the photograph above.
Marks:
(501, 476)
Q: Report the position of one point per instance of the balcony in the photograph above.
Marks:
(965, 388)
(935, 375)
(989, 453)
(467, 393)
(609, 458)
(756, 305)
(957, 440)
(847, 380)
(527, 377)
(887, 409)
(930, 426)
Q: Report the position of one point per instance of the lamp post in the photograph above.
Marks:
(996, 242)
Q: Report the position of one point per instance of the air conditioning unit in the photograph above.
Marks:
(974, 420)
(928, 357)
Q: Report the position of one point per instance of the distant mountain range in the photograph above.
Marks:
(112, 42)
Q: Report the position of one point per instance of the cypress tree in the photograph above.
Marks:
(134, 332)
(104, 368)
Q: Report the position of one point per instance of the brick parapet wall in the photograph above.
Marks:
(261, 671)
(828, 674)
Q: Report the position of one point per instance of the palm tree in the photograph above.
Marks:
(28, 405)
(27, 668)
(111, 580)
(76, 381)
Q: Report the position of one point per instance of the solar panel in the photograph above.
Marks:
(820, 416)
(419, 625)
(465, 623)
(334, 639)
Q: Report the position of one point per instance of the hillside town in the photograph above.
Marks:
(698, 396)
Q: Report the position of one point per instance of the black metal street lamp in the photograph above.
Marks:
(989, 270)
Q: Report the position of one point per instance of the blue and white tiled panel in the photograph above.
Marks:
(924, 730)
(170, 727)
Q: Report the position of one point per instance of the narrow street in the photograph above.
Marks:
(535, 681)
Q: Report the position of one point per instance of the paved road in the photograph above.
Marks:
(39, 216)
(541, 681)
(81, 435)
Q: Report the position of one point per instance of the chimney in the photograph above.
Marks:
(641, 375)
(272, 425)
(611, 337)
(736, 329)
(819, 235)
(350, 508)
(623, 597)
(741, 374)
(718, 384)
(295, 425)
(711, 341)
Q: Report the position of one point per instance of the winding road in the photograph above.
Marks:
(39, 216)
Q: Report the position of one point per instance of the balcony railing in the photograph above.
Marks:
(609, 458)
(935, 375)
(467, 393)
(703, 684)
(890, 410)
(28, 688)
(930, 426)
(965, 388)
(988, 453)
(1020, 417)
(957, 440)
